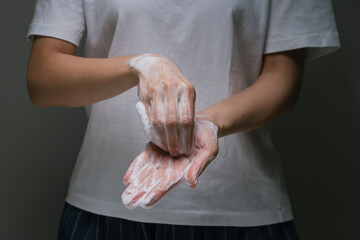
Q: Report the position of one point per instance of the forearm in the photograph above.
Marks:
(274, 92)
(58, 78)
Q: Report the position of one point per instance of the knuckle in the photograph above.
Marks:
(187, 121)
(150, 90)
(142, 97)
(156, 121)
(189, 87)
(171, 122)
(180, 89)
(167, 84)
(145, 98)
(175, 153)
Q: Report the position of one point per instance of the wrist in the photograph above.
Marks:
(210, 116)
(132, 73)
(142, 64)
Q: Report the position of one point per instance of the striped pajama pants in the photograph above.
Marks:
(77, 224)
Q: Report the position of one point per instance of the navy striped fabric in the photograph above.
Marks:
(77, 224)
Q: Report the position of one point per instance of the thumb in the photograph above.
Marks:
(201, 160)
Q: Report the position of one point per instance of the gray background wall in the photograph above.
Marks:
(319, 140)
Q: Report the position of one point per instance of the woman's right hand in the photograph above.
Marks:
(166, 103)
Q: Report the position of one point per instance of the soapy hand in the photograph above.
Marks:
(154, 172)
(166, 103)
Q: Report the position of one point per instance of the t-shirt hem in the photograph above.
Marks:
(66, 34)
(180, 217)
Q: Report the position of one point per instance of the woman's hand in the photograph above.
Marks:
(154, 172)
(166, 103)
(275, 91)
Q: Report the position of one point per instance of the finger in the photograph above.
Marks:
(172, 117)
(135, 190)
(132, 196)
(137, 185)
(144, 172)
(145, 92)
(141, 161)
(181, 163)
(158, 122)
(186, 110)
(201, 160)
(131, 201)
(134, 168)
(175, 174)
(153, 197)
(166, 183)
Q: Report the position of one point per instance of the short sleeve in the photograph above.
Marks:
(306, 24)
(62, 19)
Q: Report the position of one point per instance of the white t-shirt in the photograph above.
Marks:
(219, 45)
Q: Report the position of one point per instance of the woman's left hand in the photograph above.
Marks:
(154, 172)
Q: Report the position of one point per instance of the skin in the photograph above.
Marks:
(168, 98)
(275, 92)
(155, 172)
(58, 78)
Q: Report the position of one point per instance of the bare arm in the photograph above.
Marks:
(274, 92)
(58, 78)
